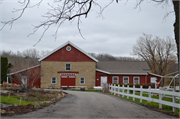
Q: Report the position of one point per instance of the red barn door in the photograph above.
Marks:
(68, 81)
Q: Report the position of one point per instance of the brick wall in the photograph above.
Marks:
(50, 68)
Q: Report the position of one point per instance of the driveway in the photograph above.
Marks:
(93, 105)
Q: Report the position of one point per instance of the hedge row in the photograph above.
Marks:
(137, 85)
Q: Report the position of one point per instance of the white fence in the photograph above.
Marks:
(121, 91)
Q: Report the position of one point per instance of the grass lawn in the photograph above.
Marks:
(13, 100)
(153, 104)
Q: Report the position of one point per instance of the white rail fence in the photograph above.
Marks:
(121, 91)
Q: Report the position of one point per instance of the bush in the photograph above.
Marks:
(152, 85)
(137, 85)
(130, 84)
(144, 85)
(121, 84)
(149, 84)
(115, 84)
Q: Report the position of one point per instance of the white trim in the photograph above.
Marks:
(70, 67)
(55, 80)
(156, 75)
(102, 71)
(65, 45)
(80, 81)
(117, 79)
(130, 73)
(121, 73)
(138, 80)
(126, 77)
(24, 69)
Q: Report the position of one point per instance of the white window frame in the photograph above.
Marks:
(117, 79)
(52, 80)
(80, 81)
(125, 77)
(24, 80)
(66, 67)
(138, 80)
(154, 78)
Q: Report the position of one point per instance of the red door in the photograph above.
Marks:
(68, 81)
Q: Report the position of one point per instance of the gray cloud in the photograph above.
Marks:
(116, 34)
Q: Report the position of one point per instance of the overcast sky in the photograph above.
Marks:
(114, 34)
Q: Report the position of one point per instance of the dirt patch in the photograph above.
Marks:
(47, 98)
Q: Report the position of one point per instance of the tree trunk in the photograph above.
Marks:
(176, 32)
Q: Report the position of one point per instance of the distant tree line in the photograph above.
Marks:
(108, 57)
(21, 60)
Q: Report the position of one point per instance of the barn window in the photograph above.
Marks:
(68, 67)
(82, 80)
(115, 79)
(24, 80)
(125, 80)
(136, 80)
(68, 48)
(53, 80)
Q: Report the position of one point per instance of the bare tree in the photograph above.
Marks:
(157, 52)
(27, 77)
(69, 10)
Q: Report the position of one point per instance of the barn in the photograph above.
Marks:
(70, 66)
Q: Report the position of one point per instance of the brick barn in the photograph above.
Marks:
(69, 66)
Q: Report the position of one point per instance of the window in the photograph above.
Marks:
(24, 80)
(68, 48)
(53, 81)
(68, 67)
(125, 80)
(115, 79)
(153, 79)
(136, 80)
(82, 80)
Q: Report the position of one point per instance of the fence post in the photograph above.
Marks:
(141, 94)
(123, 91)
(160, 98)
(174, 101)
(134, 92)
(127, 91)
(118, 89)
(149, 94)
(111, 89)
(114, 90)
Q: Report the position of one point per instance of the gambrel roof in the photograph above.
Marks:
(70, 43)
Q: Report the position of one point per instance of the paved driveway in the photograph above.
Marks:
(93, 105)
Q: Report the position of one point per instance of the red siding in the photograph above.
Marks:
(131, 78)
(109, 78)
(98, 78)
(64, 55)
(149, 79)
(17, 77)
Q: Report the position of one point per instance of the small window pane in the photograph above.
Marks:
(53, 80)
(68, 66)
(136, 80)
(82, 81)
(125, 80)
(115, 79)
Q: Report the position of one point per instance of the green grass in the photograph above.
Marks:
(14, 100)
(153, 104)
